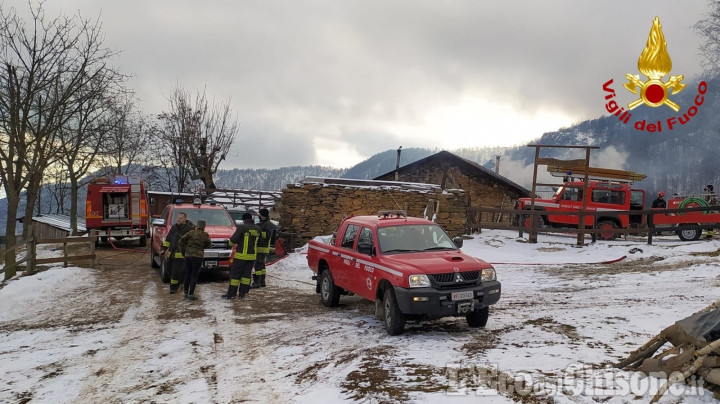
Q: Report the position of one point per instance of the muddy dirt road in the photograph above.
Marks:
(115, 334)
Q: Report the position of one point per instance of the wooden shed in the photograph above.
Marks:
(483, 187)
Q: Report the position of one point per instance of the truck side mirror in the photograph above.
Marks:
(458, 242)
(158, 222)
(366, 248)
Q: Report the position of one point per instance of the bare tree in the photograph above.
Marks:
(197, 136)
(85, 134)
(45, 62)
(709, 28)
(127, 144)
(57, 186)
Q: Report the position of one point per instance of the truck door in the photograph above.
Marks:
(569, 199)
(160, 232)
(364, 277)
(345, 264)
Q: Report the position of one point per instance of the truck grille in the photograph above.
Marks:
(455, 279)
(219, 243)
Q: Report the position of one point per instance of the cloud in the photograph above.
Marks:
(420, 73)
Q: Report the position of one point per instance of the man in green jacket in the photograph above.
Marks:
(245, 239)
(172, 251)
(193, 245)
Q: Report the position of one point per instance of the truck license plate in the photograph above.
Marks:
(467, 295)
(210, 264)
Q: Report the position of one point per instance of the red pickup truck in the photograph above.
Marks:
(408, 266)
(219, 225)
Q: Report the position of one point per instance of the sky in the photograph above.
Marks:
(332, 82)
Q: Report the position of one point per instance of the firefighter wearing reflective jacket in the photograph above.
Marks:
(267, 237)
(171, 248)
(711, 199)
(245, 239)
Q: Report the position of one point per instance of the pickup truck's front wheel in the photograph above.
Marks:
(394, 318)
(329, 293)
(478, 318)
(164, 270)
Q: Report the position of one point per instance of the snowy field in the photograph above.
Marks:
(115, 334)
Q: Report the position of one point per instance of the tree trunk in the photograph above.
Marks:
(10, 238)
(30, 199)
(73, 205)
(207, 179)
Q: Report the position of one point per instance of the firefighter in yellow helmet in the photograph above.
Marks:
(245, 239)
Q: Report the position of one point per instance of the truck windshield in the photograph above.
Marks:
(212, 217)
(413, 238)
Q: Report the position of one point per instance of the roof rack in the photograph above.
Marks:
(391, 213)
(596, 173)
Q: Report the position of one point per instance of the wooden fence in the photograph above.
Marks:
(647, 227)
(31, 261)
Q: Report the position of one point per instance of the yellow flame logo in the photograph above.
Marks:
(654, 62)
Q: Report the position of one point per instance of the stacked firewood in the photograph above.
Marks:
(695, 350)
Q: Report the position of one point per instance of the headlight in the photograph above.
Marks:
(418, 281)
(488, 275)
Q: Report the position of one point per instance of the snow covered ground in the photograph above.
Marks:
(115, 334)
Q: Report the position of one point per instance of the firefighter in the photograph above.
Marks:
(711, 199)
(267, 237)
(660, 201)
(245, 239)
(193, 245)
(172, 252)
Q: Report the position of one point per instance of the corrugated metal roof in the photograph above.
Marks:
(61, 222)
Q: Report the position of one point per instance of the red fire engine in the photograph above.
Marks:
(117, 207)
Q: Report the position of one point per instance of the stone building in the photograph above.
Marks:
(483, 187)
(316, 206)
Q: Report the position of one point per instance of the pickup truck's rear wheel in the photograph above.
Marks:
(607, 230)
(153, 263)
(394, 318)
(329, 293)
(164, 270)
(691, 234)
(478, 318)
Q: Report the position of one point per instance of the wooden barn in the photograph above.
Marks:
(483, 187)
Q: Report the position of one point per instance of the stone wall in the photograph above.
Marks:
(311, 210)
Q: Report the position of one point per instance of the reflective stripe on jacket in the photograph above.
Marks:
(267, 230)
(245, 238)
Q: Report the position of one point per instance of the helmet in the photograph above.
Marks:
(247, 216)
(661, 194)
(264, 212)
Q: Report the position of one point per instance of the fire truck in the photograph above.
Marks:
(117, 207)
(609, 197)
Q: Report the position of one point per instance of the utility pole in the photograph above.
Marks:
(397, 165)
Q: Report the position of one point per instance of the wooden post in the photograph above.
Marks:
(532, 237)
(581, 219)
(65, 254)
(31, 249)
(92, 251)
(651, 227)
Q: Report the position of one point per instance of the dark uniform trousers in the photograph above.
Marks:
(260, 271)
(192, 272)
(240, 277)
(177, 272)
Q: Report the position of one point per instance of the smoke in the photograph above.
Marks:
(522, 174)
(609, 157)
